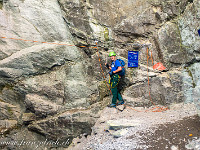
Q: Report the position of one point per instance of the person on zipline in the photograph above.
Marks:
(115, 74)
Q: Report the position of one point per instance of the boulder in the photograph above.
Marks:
(65, 126)
(120, 133)
(164, 89)
(122, 123)
(41, 107)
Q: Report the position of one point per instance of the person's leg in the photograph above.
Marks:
(114, 83)
(115, 95)
(119, 97)
(119, 88)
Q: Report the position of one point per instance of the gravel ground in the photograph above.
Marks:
(175, 129)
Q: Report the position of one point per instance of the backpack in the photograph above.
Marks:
(122, 73)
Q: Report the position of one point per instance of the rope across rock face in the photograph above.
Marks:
(45, 42)
(155, 109)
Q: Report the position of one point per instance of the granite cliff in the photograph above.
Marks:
(58, 91)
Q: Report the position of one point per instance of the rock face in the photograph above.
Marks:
(55, 85)
(65, 127)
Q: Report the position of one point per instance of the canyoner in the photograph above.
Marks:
(117, 71)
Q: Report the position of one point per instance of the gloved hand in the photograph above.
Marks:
(110, 73)
(107, 66)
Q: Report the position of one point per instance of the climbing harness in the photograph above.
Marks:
(155, 108)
